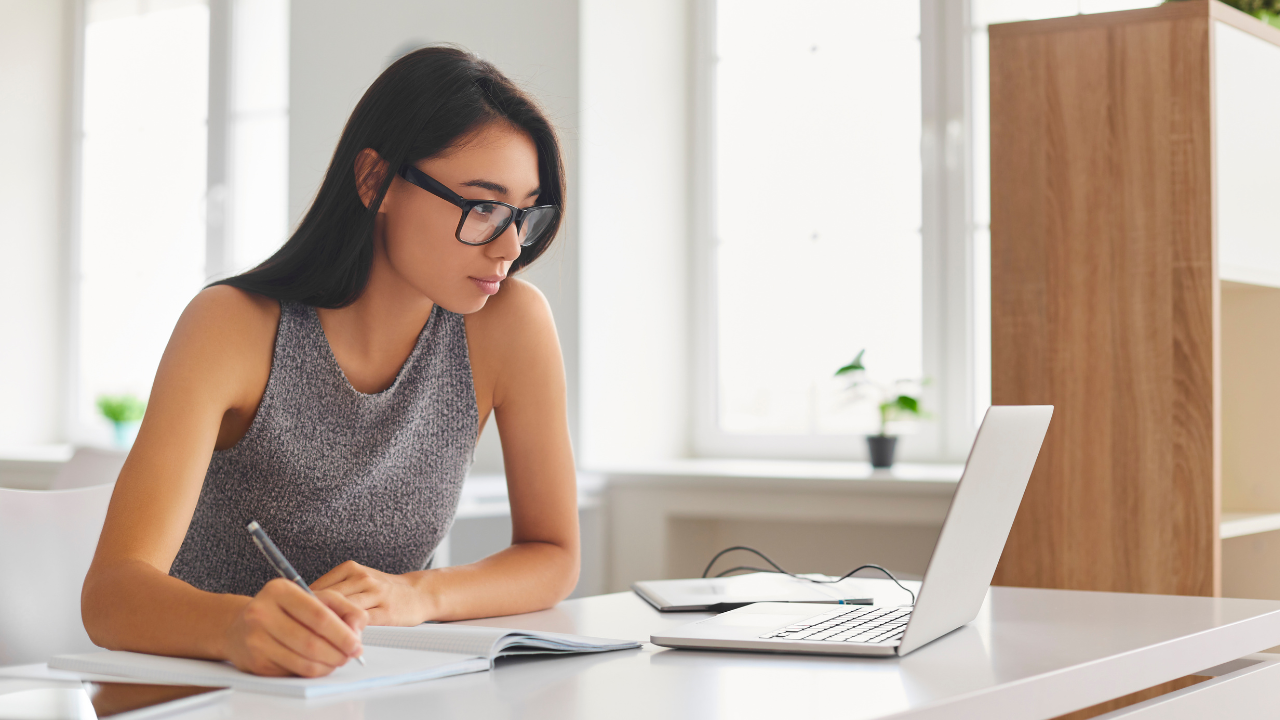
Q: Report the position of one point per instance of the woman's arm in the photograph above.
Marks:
(210, 372)
(513, 341)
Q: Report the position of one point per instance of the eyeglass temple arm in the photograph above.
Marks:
(431, 185)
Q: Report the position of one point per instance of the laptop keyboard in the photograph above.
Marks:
(856, 625)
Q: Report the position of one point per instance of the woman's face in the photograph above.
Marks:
(416, 228)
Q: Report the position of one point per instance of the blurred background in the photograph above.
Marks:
(757, 192)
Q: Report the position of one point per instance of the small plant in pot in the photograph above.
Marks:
(895, 403)
(125, 413)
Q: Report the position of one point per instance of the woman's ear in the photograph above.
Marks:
(370, 172)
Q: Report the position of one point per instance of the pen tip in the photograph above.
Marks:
(360, 659)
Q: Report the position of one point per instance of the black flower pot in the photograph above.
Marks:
(882, 447)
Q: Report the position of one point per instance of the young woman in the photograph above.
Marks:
(334, 394)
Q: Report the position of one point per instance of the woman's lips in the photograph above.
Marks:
(488, 285)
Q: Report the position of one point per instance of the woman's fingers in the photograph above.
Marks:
(290, 662)
(301, 641)
(286, 631)
(279, 661)
(317, 632)
(333, 577)
(388, 599)
(329, 579)
(352, 612)
(365, 600)
(353, 587)
(259, 651)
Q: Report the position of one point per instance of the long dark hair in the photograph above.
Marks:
(418, 107)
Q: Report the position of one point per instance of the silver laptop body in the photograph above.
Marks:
(955, 583)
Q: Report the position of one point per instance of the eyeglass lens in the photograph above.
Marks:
(534, 223)
(486, 220)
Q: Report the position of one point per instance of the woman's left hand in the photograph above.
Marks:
(389, 599)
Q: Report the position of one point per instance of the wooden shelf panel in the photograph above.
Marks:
(1241, 524)
(1135, 286)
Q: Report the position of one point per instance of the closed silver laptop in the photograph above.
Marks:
(960, 571)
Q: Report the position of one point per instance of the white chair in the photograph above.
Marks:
(89, 466)
(47, 539)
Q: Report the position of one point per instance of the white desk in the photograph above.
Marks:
(1030, 654)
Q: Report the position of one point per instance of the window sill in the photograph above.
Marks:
(31, 467)
(52, 453)
(791, 474)
(485, 494)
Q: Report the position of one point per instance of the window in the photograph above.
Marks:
(143, 166)
(182, 175)
(846, 152)
(256, 211)
(818, 230)
(816, 234)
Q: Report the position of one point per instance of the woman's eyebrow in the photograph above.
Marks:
(497, 187)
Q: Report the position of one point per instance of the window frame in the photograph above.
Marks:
(220, 138)
(947, 251)
(75, 428)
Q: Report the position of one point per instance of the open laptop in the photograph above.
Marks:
(955, 583)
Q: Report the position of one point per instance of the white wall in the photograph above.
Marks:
(35, 81)
(569, 53)
(636, 239)
(338, 47)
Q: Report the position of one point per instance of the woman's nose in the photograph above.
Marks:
(507, 245)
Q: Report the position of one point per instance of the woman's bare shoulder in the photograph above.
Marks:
(513, 341)
(517, 314)
(234, 309)
(226, 314)
(225, 333)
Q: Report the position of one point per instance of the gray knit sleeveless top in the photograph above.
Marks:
(333, 474)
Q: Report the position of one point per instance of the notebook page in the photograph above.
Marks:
(487, 641)
(385, 666)
(520, 642)
(461, 639)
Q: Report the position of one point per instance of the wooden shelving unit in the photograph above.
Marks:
(1135, 243)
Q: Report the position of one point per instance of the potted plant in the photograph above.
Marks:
(125, 413)
(1268, 11)
(894, 403)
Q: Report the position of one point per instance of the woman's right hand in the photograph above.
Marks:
(284, 631)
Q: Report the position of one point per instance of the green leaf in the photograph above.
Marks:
(121, 408)
(907, 404)
(854, 366)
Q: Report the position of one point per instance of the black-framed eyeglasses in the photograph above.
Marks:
(484, 220)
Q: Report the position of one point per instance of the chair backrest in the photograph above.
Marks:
(89, 466)
(47, 539)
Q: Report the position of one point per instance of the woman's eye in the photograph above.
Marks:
(486, 210)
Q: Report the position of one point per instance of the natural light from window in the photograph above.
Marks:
(153, 229)
(818, 209)
(142, 230)
(259, 167)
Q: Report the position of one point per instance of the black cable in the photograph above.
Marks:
(778, 568)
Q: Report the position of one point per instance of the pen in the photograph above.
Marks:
(278, 561)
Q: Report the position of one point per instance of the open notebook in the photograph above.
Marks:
(394, 655)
